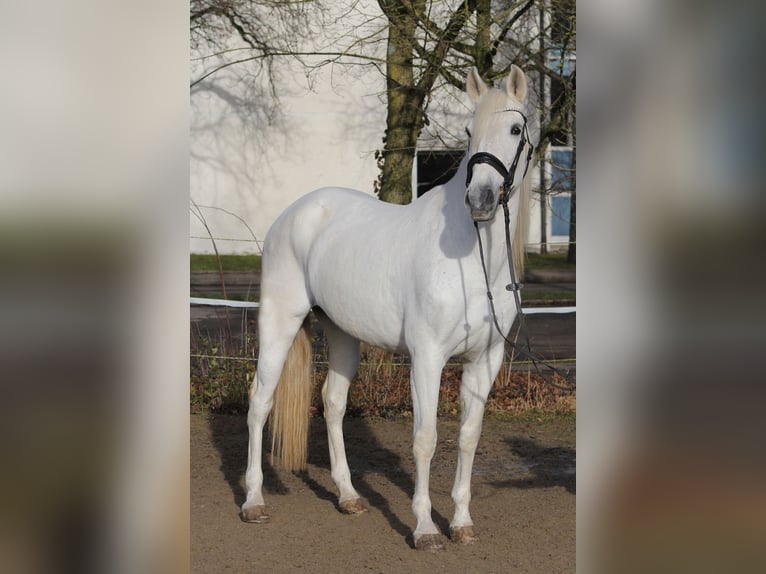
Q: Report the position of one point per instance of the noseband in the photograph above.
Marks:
(507, 174)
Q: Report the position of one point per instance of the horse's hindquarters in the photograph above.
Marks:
(356, 268)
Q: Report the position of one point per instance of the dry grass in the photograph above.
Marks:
(381, 387)
(221, 370)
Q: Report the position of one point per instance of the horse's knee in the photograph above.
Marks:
(468, 447)
(260, 406)
(469, 438)
(334, 403)
(424, 443)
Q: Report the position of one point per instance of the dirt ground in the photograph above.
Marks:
(523, 503)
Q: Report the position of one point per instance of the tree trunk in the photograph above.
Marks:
(543, 210)
(572, 253)
(404, 118)
(543, 183)
(483, 45)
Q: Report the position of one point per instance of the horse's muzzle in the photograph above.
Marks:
(483, 214)
(481, 204)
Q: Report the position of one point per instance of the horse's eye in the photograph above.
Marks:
(515, 130)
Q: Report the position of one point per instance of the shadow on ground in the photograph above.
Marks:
(365, 456)
(544, 466)
(229, 434)
(549, 466)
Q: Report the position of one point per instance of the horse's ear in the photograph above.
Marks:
(474, 85)
(516, 83)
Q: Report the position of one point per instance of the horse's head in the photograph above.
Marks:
(499, 139)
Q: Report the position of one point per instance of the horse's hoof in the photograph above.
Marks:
(353, 506)
(463, 535)
(429, 542)
(255, 514)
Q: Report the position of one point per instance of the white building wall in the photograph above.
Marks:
(253, 166)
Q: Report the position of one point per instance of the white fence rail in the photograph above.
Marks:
(255, 304)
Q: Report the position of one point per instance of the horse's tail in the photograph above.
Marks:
(292, 398)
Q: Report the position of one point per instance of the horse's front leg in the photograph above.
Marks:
(424, 380)
(476, 383)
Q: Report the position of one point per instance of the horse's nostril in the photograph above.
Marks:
(482, 198)
(486, 197)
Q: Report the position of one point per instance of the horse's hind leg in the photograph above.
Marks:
(278, 325)
(477, 380)
(343, 364)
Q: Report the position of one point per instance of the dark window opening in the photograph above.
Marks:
(436, 168)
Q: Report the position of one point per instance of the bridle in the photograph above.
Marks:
(492, 160)
(514, 286)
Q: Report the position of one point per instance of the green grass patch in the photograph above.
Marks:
(199, 262)
(547, 295)
(548, 261)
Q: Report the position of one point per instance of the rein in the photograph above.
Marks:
(514, 286)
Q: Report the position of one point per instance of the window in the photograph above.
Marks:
(560, 210)
(562, 169)
(561, 181)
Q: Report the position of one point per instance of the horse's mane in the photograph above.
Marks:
(522, 227)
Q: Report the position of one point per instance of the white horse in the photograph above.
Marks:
(406, 278)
